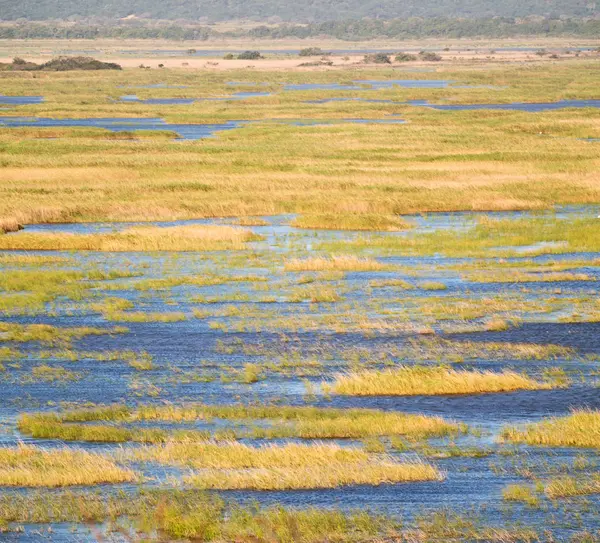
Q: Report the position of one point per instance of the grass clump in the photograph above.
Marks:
(521, 493)
(9, 225)
(417, 380)
(33, 467)
(147, 238)
(334, 263)
(579, 429)
(566, 486)
(382, 223)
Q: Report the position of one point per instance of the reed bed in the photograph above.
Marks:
(33, 467)
(334, 263)
(579, 429)
(175, 238)
(407, 381)
(329, 476)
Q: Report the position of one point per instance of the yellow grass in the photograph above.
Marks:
(148, 238)
(579, 429)
(334, 263)
(33, 467)
(9, 225)
(329, 476)
(235, 455)
(373, 222)
(406, 381)
(566, 486)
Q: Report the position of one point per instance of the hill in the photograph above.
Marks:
(286, 10)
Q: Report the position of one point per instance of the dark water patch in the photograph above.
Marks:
(583, 336)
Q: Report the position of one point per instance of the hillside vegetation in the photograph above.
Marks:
(284, 10)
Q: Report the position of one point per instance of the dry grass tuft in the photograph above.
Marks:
(579, 429)
(334, 263)
(234, 455)
(9, 225)
(407, 381)
(326, 476)
(372, 222)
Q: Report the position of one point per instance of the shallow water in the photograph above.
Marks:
(186, 101)
(197, 361)
(20, 100)
(184, 131)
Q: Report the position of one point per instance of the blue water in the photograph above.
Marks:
(186, 101)
(20, 100)
(184, 131)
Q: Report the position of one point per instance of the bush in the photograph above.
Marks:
(312, 52)
(377, 58)
(405, 57)
(250, 55)
(62, 64)
(228, 56)
(429, 56)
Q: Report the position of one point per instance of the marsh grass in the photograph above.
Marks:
(517, 276)
(235, 455)
(52, 335)
(147, 238)
(358, 221)
(33, 467)
(194, 515)
(579, 429)
(284, 422)
(334, 474)
(567, 486)
(334, 263)
(521, 493)
(419, 380)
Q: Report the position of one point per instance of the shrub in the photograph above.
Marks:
(405, 57)
(377, 58)
(429, 56)
(312, 52)
(250, 55)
